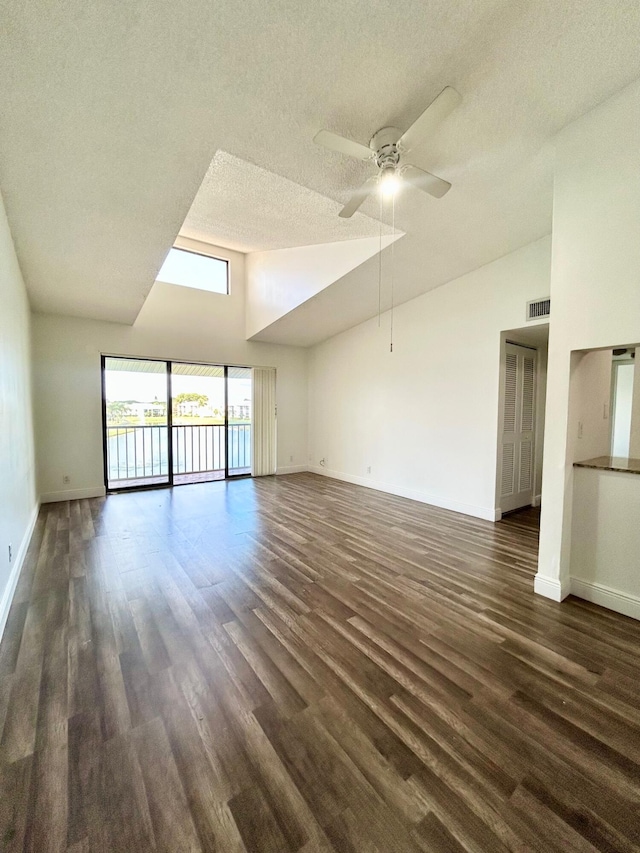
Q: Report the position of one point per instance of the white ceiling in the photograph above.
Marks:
(110, 115)
(243, 207)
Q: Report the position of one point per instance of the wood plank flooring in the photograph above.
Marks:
(299, 664)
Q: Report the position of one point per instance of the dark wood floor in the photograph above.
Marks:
(298, 664)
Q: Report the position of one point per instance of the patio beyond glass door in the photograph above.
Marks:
(172, 423)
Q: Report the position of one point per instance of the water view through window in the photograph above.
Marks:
(203, 433)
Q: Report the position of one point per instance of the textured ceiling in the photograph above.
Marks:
(249, 209)
(110, 114)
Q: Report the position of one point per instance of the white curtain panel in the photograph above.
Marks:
(263, 445)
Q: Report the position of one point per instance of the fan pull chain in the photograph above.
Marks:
(380, 266)
(393, 266)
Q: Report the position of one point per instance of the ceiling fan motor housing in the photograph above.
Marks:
(385, 145)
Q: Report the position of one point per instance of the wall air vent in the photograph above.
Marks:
(538, 309)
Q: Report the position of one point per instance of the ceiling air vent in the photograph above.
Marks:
(538, 309)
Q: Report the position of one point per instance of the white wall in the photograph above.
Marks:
(606, 539)
(282, 279)
(18, 505)
(424, 417)
(175, 323)
(595, 290)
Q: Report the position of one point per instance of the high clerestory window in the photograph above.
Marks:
(193, 269)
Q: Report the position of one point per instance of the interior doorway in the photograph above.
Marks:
(522, 398)
(622, 386)
(172, 423)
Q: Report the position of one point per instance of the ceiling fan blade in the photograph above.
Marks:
(425, 181)
(342, 145)
(436, 112)
(358, 197)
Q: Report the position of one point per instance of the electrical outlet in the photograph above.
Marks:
(66, 479)
(291, 459)
(10, 553)
(579, 429)
(368, 469)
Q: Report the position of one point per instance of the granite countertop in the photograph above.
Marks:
(611, 463)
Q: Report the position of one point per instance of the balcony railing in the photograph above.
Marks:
(141, 452)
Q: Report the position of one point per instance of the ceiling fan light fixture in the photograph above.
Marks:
(389, 183)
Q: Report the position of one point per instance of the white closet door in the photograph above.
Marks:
(518, 421)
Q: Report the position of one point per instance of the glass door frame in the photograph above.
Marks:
(169, 424)
(226, 422)
(168, 363)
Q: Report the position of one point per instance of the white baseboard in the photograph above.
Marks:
(73, 494)
(292, 469)
(7, 597)
(550, 588)
(487, 513)
(537, 500)
(606, 596)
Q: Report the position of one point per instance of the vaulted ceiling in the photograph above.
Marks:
(111, 114)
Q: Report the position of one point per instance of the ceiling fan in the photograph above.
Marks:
(387, 149)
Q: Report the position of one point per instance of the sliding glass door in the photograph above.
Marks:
(136, 423)
(172, 423)
(239, 421)
(198, 423)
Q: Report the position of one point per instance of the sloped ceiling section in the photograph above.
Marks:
(295, 242)
(280, 281)
(111, 113)
(249, 209)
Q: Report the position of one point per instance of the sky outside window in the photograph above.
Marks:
(189, 269)
(146, 387)
(138, 387)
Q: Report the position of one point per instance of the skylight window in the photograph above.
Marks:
(190, 269)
